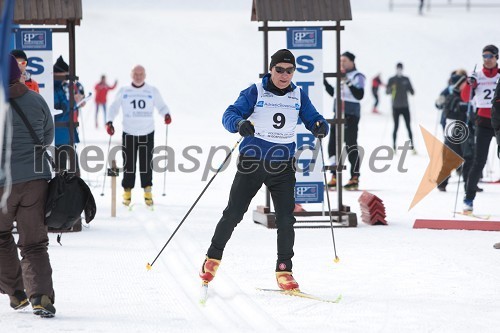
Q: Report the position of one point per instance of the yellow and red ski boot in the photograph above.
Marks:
(148, 196)
(127, 196)
(286, 281)
(209, 269)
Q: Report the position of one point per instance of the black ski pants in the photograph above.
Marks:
(351, 142)
(279, 177)
(405, 112)
(375, 97)
(143, 146)
(481, 149)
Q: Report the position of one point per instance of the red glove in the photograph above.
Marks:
(109, 128)
(168, 119)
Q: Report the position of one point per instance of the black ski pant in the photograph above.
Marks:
(481, 149)
(351, 142)
(375, 97)
(143, 146)
(405, 112)
(279, 177)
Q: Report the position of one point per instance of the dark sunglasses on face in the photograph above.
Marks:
(281, 70)
(488, 56)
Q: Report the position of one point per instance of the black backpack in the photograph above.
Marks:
(67, 197)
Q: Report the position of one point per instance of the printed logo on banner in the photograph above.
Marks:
(34, 39)
(259, 104)
(305, 38)
(308, 192)
(31, 39)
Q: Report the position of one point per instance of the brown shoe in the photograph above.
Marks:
(333, 182)
(19, 300)
(352, 184)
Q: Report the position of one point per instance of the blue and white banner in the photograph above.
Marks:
(306, 44)
(37, 44)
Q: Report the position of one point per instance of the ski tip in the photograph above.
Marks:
(148, 266)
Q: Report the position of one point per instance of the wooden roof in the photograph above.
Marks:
(301, 10)
(51, 12)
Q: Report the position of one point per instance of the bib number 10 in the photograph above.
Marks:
(141, 104)
(279, 120)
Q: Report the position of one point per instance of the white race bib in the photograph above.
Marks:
(275, 117)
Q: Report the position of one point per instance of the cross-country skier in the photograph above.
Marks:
(137, 102)
(482, 84)
(266, 114)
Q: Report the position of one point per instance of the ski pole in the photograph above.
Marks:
(458, 189)
(328, 200)
(149, 266)
(106, 168)
(165, 174)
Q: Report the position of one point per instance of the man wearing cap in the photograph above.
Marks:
(352, 90)
(481, 87)
(29, 279)
(399, 86)
(266, 115)
(64, 146)
(22, 61)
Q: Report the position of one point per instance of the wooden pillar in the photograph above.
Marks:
(339, 116)
(72, 78)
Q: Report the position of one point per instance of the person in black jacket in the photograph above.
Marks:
(352, 91)
(495, 115)
(398, 87)
(455, 113)
(495, 123)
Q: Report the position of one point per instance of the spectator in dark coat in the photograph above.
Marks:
(23, 189)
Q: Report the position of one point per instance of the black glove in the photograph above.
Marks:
(472, 79)
(245, 128)
(320, 129)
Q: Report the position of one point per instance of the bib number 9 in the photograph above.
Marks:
(279, 120)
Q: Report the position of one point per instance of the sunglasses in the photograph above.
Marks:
(22, 62)
(281, 70)
(488, 56)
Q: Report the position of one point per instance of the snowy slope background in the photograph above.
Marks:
(200, 54)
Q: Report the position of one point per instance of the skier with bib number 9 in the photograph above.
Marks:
(266, 115)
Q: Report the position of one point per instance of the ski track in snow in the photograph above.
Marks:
(240, 314)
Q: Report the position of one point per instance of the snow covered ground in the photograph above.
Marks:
(200, 54)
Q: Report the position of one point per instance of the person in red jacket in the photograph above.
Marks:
(376, 84)
(101, 93)
(480, 89)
